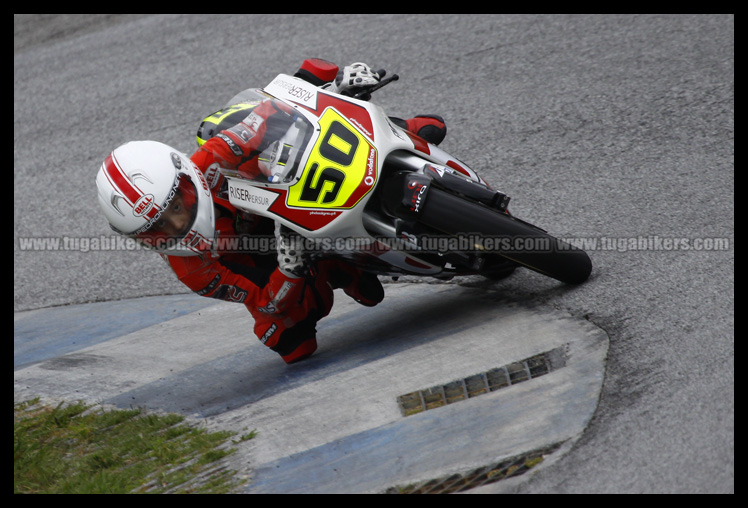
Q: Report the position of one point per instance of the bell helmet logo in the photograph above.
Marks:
(143, 205)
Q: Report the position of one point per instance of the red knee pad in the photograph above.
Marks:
(293, 334)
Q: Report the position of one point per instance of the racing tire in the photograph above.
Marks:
(505, 235)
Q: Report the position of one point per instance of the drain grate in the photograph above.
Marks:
(485, 382)
(492, 473)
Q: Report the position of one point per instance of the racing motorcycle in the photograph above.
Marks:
(345, 177)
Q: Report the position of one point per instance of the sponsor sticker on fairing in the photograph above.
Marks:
(251, 198)
(293, 89)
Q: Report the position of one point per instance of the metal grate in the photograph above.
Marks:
(460, 482)
(485, 382)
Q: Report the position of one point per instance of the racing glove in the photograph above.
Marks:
(290, 247)
(354, 78)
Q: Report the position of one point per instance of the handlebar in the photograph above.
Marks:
(366, 93)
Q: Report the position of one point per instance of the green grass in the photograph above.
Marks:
(76, 448)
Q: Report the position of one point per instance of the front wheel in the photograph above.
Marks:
(505, 235)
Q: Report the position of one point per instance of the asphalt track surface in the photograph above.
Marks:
(618, 129)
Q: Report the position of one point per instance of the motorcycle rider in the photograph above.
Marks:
(172, 204)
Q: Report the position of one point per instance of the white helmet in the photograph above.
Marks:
(155, 194)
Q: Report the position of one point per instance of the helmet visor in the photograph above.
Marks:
(172, 225)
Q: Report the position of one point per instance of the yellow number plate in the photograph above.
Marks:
(341, 168)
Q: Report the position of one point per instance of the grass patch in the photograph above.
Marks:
(81, 449)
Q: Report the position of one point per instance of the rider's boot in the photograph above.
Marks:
(365, 289)
(430, 128)
(302, 352)
(362, 286)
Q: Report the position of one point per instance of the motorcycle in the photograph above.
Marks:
(355, 185)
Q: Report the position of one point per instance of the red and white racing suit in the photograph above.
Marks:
(285, 310)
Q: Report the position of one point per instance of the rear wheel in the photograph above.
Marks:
(500, 233)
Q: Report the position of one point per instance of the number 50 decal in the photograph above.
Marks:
(340, 170)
